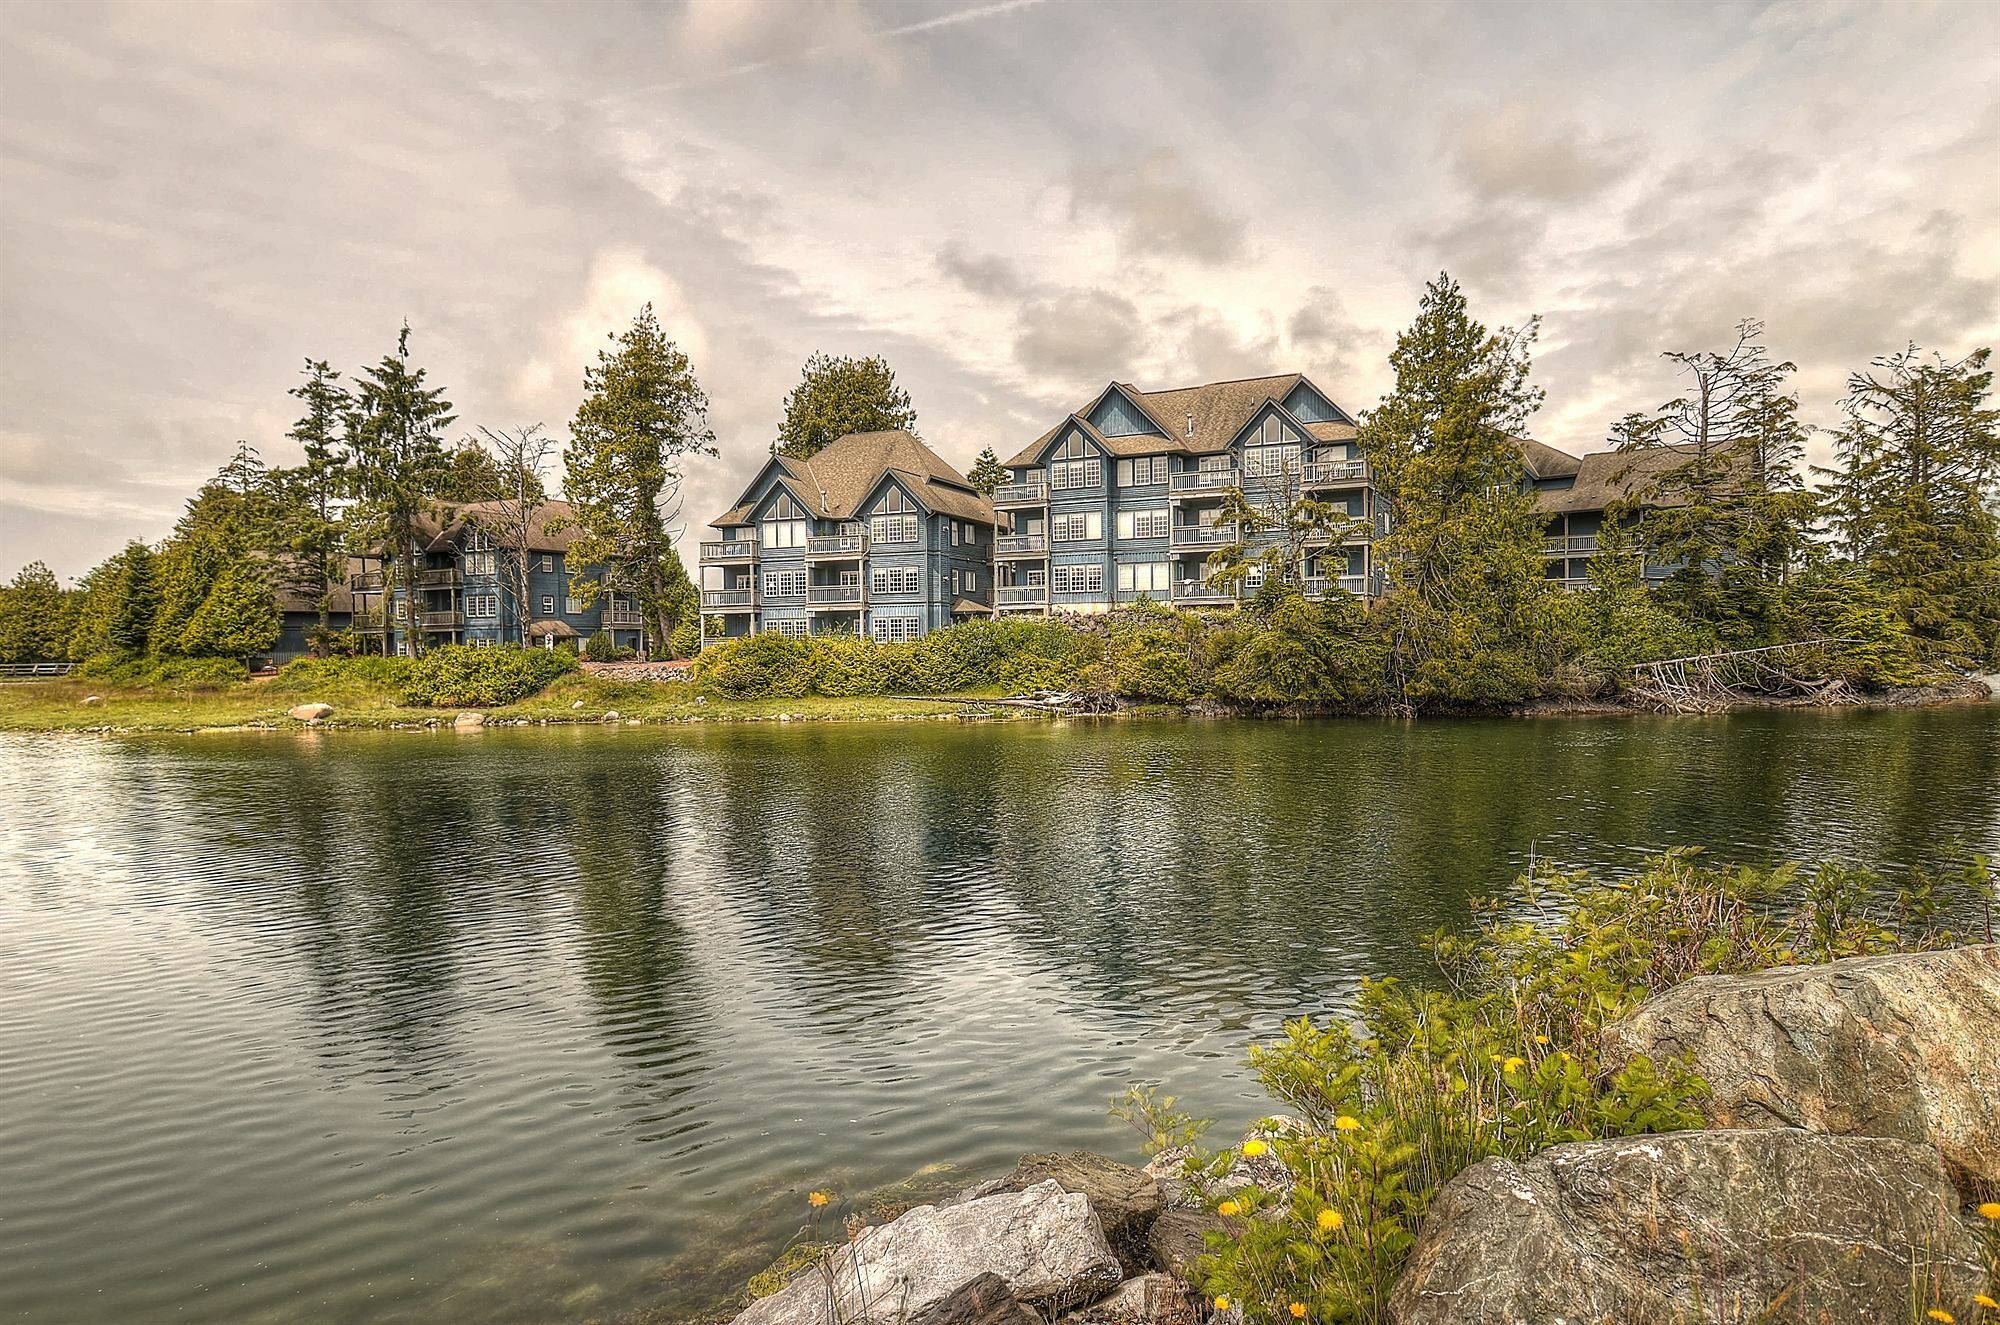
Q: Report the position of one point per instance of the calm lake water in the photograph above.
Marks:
(563, 1024)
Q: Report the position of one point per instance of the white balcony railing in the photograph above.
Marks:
(1202, 591)
(1324, 473)
(837, 545)
(1021, 545)
(1201, 535)
(1205, 480)
(834, 595)
(729, 600)
(1033, 493)
(734, 549)
(1574, 544)
(1021, 595)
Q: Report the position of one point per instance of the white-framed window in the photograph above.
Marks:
(972, 580)
(1075, 466)
(895, 519)
(482, 605)
(1142, 524)
(897, 629)
(478, 540)
(548, 604)
(1142, 472)
(954, 584)
(1076, 526)
(1270, 461)
(1037, 577)
(479, 563)
(402, 609)
(896, 580)
(954, 533)
(784, 584)
(402, 648)
(1144, 576)
(548, 562)
(1078, 579)
(784, 524)
(572, 605)
(789, 627)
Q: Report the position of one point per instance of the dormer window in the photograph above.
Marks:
(1076, 465)
(784, 524)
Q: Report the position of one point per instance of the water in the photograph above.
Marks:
(562, 1024)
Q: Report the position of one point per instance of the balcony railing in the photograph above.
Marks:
(366, 623)
(837, 545)
(440, 578)
(1021, 545)
(834, 595)
(368, 581)
(442, 620)
(1034, 493)
(734, 549)
(1201, 535)
(1575, 543)
(1205, 480)
(1316, 586)
(1325, 473)
(1021, 595)
(1202, 591)
(729, 600)
(623, 616)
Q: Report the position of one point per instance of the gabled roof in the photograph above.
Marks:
(550, 529)
(1544, 461)
(1603, 477)
(837, 482)
(1196, 419)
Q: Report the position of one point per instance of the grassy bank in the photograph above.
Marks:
(59, 706)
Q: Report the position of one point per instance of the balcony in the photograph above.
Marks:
(1316, 586)
(1021, 595)
(623, 616)
(1575, 545)
(440, 578)
(1205, 480)
(1203, 593)
(844, 547)
(1032, 493)
(441, 620)
(1331, 473)
(729, 600)
(1021, 545)
(834, 595)
(368, 581)
(735, 549)
(1201, 536)
(366, 623)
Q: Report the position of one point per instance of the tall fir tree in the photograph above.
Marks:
(1462, 561)
(120, 600)
(314, 560)
(987, 472)
(399, 461)
(643, 417)
(239, 617)
(837, 395)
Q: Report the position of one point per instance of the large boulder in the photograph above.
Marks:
(1126, 1200)
(1905, 1045)
(1721, 1226)
(986, 1300)
(314, 712)
(1045, 1245)
(1179, 1238)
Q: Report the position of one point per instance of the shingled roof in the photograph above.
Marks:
(1603, 477)
(835, 482)
(1196, 419)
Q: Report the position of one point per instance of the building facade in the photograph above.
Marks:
(468, 590)
(1123, 499)
(875, 535)
(1578, 493)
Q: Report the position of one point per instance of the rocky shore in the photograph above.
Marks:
(1847, 1174)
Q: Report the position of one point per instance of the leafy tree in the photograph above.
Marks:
(1462, 562)
(399, 463)
(1278, 527)
(1910, 497)
(34, 617)
(312, 559)
(239, 618)
(642, 417)
(521, 458)
(1301, 652)
(838, 395)
(1724, 503)
(987, 472)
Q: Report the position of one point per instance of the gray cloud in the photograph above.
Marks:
(1521, 152)
(1159, 207)
(985, 274)
(1080, 335)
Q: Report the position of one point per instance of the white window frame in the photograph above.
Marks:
(548, 604)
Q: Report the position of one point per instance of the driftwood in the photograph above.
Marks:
(1039, 701)
(1712, 682)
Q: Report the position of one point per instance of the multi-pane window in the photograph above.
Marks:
(548, 562)
(402, 609)
(1076, 526)
(784, 584)
(897, 629)
(897, 579)
(1078, 579)
(1075, 466)
(1142, 472)
(895, 519)
(790, 628)
(479, 563)
(784, 525)
(1144, 576)
(972, 581)
(1271, 450)
(1142, 524)
(548, 604)
(954, 533)
(482, 605)
(572, 605)
(1037, 577)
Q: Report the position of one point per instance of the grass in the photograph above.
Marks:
(59, 706)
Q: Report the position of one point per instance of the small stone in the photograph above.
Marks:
(986, 1300)
(469, 721)
(610, 715)
(1178, 1238)
(93, 699)
(1142, 1300)
(314, 712)
(576, 704)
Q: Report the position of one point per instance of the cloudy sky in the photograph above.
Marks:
(1014, 202)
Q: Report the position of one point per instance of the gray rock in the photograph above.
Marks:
(1126, 1200)
(576, 703)
(985, 1301)
(1044, 1243)
(1179, 1238)
(93, 699)
(1144, 1300)
(1723, 1226)
(610, 715)
(310, 712)
(1905, 1045)
(469, 721)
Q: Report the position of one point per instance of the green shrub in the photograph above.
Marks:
(165, 673)
(599, 648)
(765, 666)
(457, 675)
(304, 674)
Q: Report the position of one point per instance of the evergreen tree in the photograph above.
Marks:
(838, 395)
(399, 462)
(643, 416)
(239, 618)
(471, 476)
(1464, 573)
(33, 617)
(1911, 495)
(188, 569)
(313, 560)
(120, 600)
(987, 472)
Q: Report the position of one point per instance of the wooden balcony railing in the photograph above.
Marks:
(735, 549)
(1326, 473)
(729, 600)
(442, 620)
(834, 595)
(1021, 545)
(1032, 493)
(837, 545)
(1201, 535)
(1205, 480)
(1571, 546)
(1021, 595)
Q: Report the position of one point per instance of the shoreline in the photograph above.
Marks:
(589, 702)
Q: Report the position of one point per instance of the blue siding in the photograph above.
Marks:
(1309, 406)
(1117, 416)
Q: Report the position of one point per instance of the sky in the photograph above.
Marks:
(1014, 202)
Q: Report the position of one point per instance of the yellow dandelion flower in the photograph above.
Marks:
(1298, 1310)
(1330, 1221)
(1254, 1148)
(1541, 1039)
(1513, 1065)
(1990, 1210)
(1346, 1123)
(1986, 1302)
(1939, 1313)
(818, 1199)
(1222, 1304)
(1229, 1208)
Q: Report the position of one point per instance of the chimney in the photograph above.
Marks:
(1190, 431)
